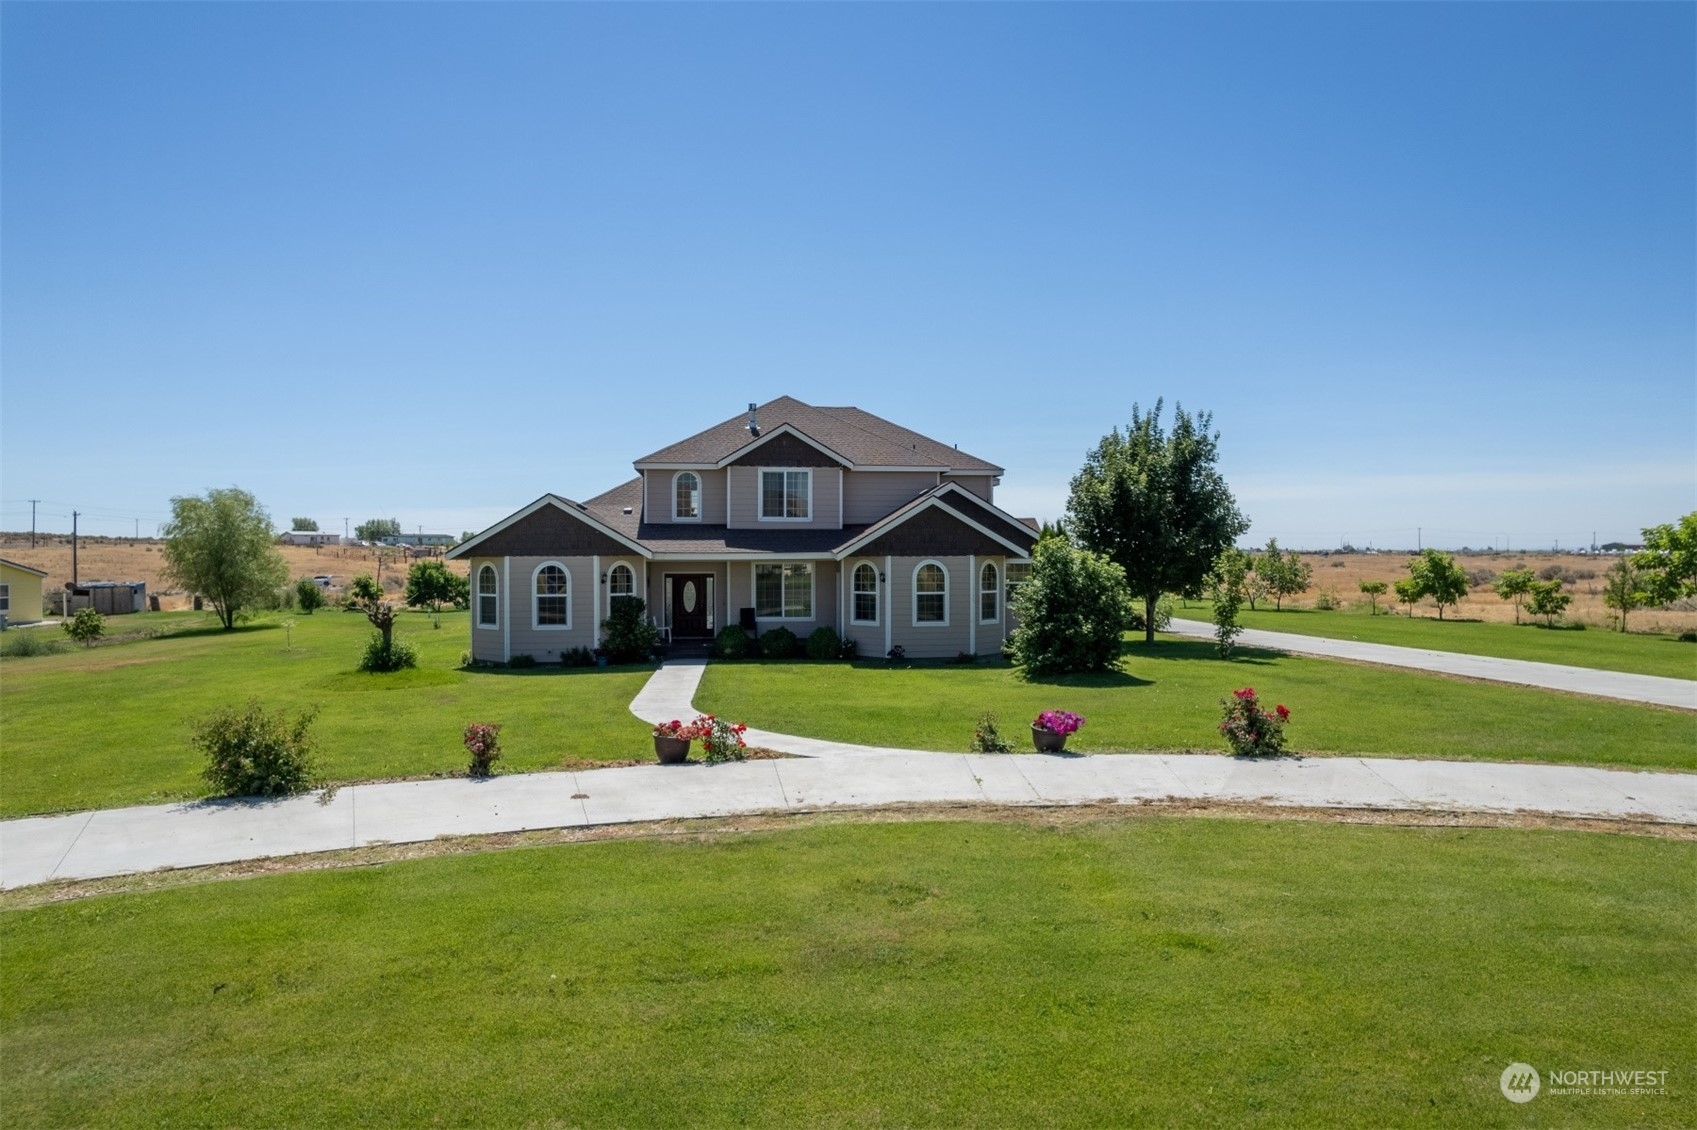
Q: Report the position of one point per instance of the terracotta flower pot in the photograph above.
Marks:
(1047, 741)
(671, 751)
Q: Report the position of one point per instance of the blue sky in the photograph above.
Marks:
(1428, 265)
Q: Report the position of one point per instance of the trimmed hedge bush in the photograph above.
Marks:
(778, 643)
(824, 644)
(731, 643)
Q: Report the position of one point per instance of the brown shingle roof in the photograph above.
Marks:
(858, 436)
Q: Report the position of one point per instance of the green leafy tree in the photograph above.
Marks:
(221, 547)
(1285, 574)
(1436, 575)
(384, 652)
(1071, 612)
(1227, 581)
(1155, 504)
(626, 634)
(1547, 600)
(1052, 530)
(1373, 590)
(303, 525)
(1514, 584)
(430, 583)
(1255, 588)
(1408, 592)
(1624, 589)
(85, 627)
(308, 595)
(374, 528)
(1669, 560)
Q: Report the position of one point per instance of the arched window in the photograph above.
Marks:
(865, 594)
(488, 607)
(686, 497)
(621, 583)
(930, 593)
(989, 593)
(551, 602)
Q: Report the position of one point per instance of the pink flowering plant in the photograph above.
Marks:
(723, 740)
(1250, 730)
(696, 727)
(1058, 722)
(483, 742)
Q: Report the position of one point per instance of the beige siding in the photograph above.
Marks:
(486, 642)
(745, 499)
(24, 592)
(658, 498)
(869, 495)
(981, 485)
(931, 641)
(869, 637)
(547, 644)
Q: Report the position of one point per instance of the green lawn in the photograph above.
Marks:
(94, 728)
(1167, 697)
(1146, 971)
(1641, 654)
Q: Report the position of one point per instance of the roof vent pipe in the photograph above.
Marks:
(753, 424)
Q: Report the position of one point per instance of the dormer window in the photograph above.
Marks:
(786, 495)
(686, 497)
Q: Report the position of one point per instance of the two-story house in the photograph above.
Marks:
(795, 516)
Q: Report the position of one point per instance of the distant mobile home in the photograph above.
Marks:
(20, 594)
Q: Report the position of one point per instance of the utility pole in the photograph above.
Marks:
(1417, 534)
(138, 530)
(74, 516)
(344, 529)
(32, 503)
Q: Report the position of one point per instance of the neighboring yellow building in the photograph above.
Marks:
(20, 593)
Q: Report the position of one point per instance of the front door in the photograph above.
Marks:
(689, 606)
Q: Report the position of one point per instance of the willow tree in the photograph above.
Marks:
(1154, 503)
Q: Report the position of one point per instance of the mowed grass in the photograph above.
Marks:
(1167, 697)
(1639, 653)
(95, 728)
(1122, 971)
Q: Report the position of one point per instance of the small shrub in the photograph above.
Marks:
(252, 753)
(1251, 731)
(85, 627)
(1688, 636)
(626, 634)
(466, 660)
(308, 595)
(1480, 577)
(723, 741)
(577, 657)
(16, 644)
(986, 738)
(779, 643)
(897, 654)
(848, 649)
(381, 658)
(964, 657)
(483, 742)
(823, 643)
(1327, 600)
(1550, 573)
(731, 643)
(521, 660)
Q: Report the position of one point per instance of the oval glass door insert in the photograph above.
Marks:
(689, 596)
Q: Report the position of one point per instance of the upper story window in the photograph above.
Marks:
(865, 594)
(989, 593)
(930, 594)
(786, 496)
(553, 600)
(488, 611)
(686, 497)
(621, 582)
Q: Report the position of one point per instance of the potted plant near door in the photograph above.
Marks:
(671, 740)
(1049, 730)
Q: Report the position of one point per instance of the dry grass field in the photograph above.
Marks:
(141, 559)
(1342, 573)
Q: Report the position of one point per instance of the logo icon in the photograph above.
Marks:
(1520, 1083)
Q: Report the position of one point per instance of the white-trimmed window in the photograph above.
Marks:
(783, 590)
(786, 495)
(621, 583)
(551, 598)
(488, 602)
(864, 610)
(1019, 572)
(930, 594)
(686, 497)
(5, 597)
(989, 594)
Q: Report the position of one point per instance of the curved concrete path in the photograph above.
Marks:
(117, 841)
(1651, 689)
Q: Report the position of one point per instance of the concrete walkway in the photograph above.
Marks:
(118, 841)
(1652, 689)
